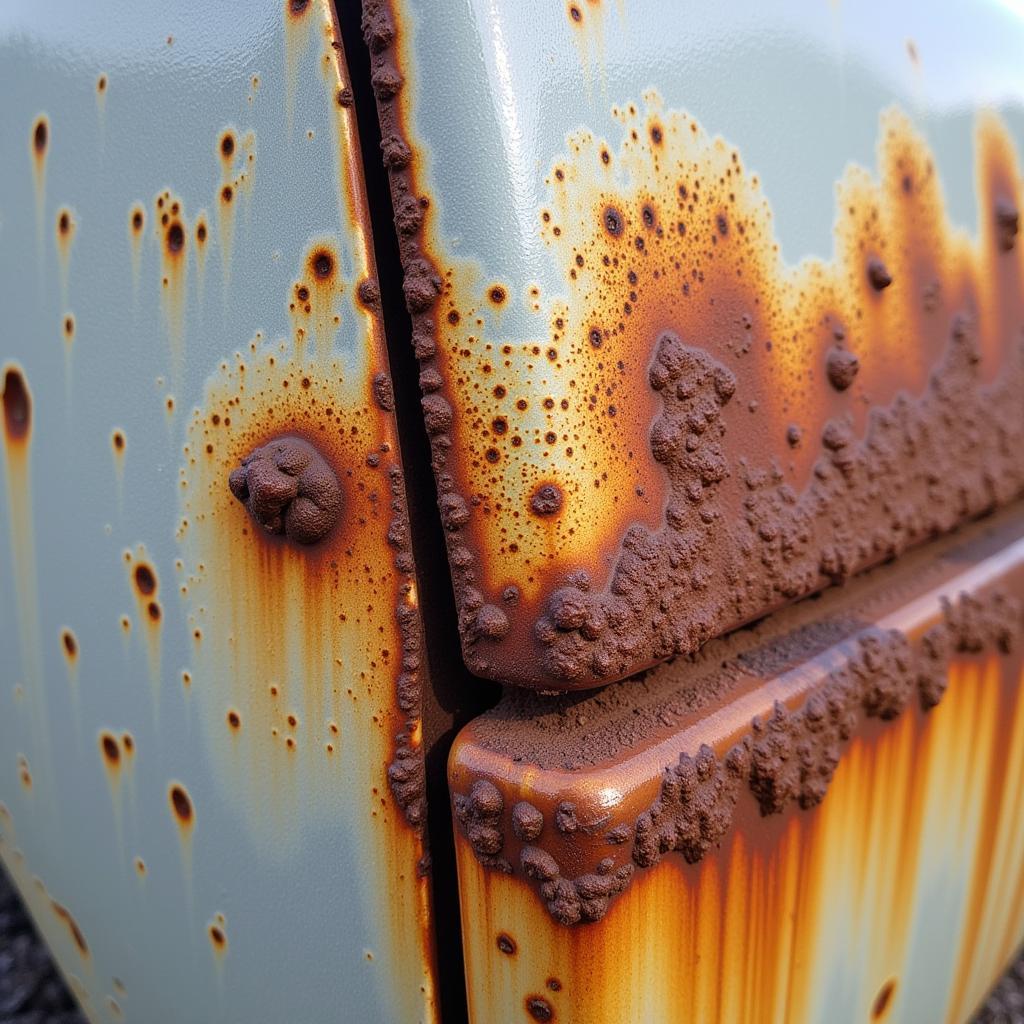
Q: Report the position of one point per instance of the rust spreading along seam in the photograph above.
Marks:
(698, 260)
(787, 758)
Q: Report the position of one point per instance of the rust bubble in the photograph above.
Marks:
(554, 984)
(322, 264)
(227, 145)
(575, 13)
(64, 222)
(181, 803)
(138, 219)
(546, 500)
(17, 405)
(40, 135)
(117, 439)
(878, 276)
(297, 8)
(234, 720)
(841, 366)
(201, 232)
(227, 193)
(154, 611)
(289, 489)
(497, 294)
(539, 1009)
(506, 944)
(613, 222)
(110, 749)
(145, 579)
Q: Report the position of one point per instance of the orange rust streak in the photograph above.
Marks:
(762, 929)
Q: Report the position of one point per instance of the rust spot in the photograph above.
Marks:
(137, 219)
(24, 772)
(201, 232)
(234, 720)
(17, 402)
(546, 500)
(181, 805)
(154, 611)
(40, 135)
(227, 145)
(227, 193)
(175, 237)
(539, 1009)
(70, 644)
(145, 579)
(117, 440)
(883, 1000)
(554, 985)
(65, 917)
(321, 262)
(218, 939)
(575, 14)
(289, 489)
(110, 750)
(128, 743)
(878, 274)
(506, 944)
(497, 294)
(101, 84)
(296, 8)
(140, 867)
(69, 328)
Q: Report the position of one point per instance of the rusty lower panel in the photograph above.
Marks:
(817, 819)
(692, 433)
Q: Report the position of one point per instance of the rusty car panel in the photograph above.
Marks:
(211, 772)
(816, 819)
(663, 399)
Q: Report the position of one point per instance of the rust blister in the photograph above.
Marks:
(700, 433)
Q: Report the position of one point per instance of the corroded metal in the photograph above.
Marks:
(648, 426)
(814, 820)
(211, 770)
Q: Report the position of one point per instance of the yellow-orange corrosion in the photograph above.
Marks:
(666, 229)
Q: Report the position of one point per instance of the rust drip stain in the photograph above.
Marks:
(201, 232)
(18, 415)
(315, 303)
(68, 329)
(118, 447)
(24, 773)
(145, 585)
(172, 235)
(66, 918)
(298, 21)
(183, 813)
(136, 231)
(38, 149)
(697, 433)
(66, 229)
(70, 649)
(216, 931)
(586, 20)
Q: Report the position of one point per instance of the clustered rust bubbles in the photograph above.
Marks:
(289, 489)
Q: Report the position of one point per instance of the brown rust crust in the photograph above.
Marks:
(578, 814)
(701, 433)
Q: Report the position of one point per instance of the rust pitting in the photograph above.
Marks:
(787, 758)
(705, 520)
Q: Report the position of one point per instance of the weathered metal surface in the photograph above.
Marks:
(663, 399)
(818, 819)
(210, 764)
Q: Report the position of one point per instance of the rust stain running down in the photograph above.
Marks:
(172, 235)
(39, 148)
(145, 585)
(718, 433)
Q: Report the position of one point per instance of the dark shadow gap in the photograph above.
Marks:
(451, 695)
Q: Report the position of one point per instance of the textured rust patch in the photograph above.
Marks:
(785, 758)
(728, 433)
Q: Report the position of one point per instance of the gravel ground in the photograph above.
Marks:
(32, 992)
